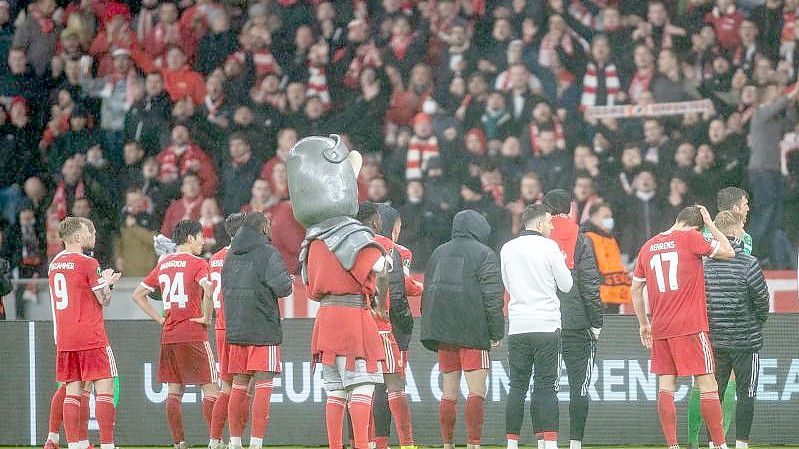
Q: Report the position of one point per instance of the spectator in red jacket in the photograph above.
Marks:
(726, 19)
(167, 33)
(180, 81)
(187, 207)
(182, 157)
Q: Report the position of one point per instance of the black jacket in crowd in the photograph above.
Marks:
(253, 278)
(5, 278)
(462, 299)
(581, 307)
(737, 301)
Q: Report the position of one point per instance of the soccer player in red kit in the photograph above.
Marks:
(79, 290)
(670, 266)
(186, 356)
(219, 415)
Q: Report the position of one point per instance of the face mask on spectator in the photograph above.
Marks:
(607, 223)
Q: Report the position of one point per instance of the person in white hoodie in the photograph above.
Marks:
(533, 269)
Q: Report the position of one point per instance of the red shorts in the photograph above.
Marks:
(221, 354)
(686, 355)
(251, 359)
(86, 365)
(190, 363)
(453, 358)
(395, 359)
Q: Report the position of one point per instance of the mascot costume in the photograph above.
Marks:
(341, 266)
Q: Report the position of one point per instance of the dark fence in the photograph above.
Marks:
(623, 392)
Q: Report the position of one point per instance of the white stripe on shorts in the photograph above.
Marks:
(708, 353)
(112, 361)
(211, 362)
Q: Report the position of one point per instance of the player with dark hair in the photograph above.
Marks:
(186, 356)
(670, 267)
(217, 261)
(79, 290)
(253, 278)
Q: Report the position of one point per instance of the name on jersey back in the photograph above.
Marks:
(174, 264)
(217, 263)
(662, 245)
(62, 266)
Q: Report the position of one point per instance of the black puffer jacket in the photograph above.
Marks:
(253, 277)
(581, 307)
(737, 301)
(462, 299)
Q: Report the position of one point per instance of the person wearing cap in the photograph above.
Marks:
(534, 271)
(581, 309)
(77, 140)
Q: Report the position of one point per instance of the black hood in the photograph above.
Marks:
(472, 224)
(246, 240)
(388, 215)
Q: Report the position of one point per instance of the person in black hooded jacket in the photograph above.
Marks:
(737, 309)
(462, 317)
(253, 278)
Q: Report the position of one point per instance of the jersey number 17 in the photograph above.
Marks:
(656, 263)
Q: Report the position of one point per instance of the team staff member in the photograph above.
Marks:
(253, 278)
(462, 319)
(615, 282)
(581, 310)
(737, 308)
(533, 270)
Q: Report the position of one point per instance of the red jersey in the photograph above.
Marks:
(77, 315)
(215, 276)
(181, 277)
(412, 288)
(384, 325)
(671, 265)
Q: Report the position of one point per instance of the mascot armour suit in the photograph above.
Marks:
(341, 264)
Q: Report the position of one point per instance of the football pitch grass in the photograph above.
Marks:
(754, 446)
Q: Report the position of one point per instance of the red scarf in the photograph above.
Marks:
(46, 24)
(399, 45)
(60, 199)
(639, 84)
(189, 206)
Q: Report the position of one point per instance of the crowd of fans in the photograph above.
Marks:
(139, 114)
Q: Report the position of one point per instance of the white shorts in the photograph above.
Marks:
(339, 378)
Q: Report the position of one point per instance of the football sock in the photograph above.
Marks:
(513, 441)
(381, 442)
(360, 406)
(83, 433)
(219, 415)
(694, 418)
(105, 412)
(56, 413)
(401, 411)
(260, 408)
(550, 440)
(256, 443)
(446, 418)
(728, 405)
(237, 407)
(72, 419)
(474, 418)
(667, 411)
(539, 437)
(174, 416)
(711, 412)
(741, 444)
(334, 418)
(208, 409)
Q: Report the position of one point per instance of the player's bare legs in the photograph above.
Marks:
(450, 389)
(104, 411)
(667, 410)
(400, 409)
(711, 408)
(219, 415)
(476, 382)
(174, 414)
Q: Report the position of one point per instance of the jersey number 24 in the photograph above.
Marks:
(173, 291)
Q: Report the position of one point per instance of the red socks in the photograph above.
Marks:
(260, 408)
(219, 416)
(381, 442)
(174, 416)
(360, 412)
(83, 432)
(334, 417)
(549, 436)
(104, 410)
(237, 409)
(668, 416)
(57, 409)
(711, 412)
(208, 409)
(446, 419)
(401, 411)
(72, 418)
(474, 418)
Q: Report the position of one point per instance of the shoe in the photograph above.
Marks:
(217, 445)
(50, 444)
(181, 445)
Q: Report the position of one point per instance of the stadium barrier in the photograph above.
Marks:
(782, 286)
(623, 393)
